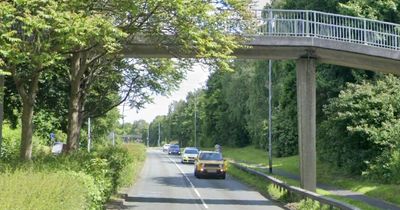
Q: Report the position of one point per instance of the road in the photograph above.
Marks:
(165, 183)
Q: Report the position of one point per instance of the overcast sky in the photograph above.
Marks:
(194, 80)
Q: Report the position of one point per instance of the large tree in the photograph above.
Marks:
(90, 36)
(30, 48)
(191, 25)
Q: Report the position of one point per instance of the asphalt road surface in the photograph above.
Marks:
(165, 183)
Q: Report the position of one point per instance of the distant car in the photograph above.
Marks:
(57, 148)
(174, 149)
(209, 163)
(189, 154)
(165, 147)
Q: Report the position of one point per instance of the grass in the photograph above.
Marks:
(77, 181)
(130, 173)
(268, 190)
(257, 156)
(43, 190)
(325, 174)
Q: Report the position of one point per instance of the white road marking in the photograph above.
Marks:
(191, 184)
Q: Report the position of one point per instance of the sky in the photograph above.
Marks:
(195, 79)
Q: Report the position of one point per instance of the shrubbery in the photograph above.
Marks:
(362, 130)
(11, 142)
(98, 174)
(26, 189)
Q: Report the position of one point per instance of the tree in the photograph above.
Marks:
(28, 49)
(385, 10)
(91, 34)
(192, 25)
(360, 133)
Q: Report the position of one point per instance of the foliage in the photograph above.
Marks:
(386, 10)
(129, 173)
(28, 49)
(23, 189)
(319, 5)
(11, 141)
(360, 133)
(100, 172)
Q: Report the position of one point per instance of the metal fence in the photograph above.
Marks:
(290, 190)
(307, 23)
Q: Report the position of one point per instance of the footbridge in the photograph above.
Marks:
(309, 37)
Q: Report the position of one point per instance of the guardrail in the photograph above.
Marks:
(332, 203)
(309, 23)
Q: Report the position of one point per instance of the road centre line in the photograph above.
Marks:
(191, 184)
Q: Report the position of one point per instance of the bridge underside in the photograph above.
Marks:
(307, 51)
(286, 48)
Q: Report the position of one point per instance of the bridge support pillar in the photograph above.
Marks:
(306, 111)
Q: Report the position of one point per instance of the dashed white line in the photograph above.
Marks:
(191, 184)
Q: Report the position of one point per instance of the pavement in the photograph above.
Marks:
(165, 183)
(377, 203)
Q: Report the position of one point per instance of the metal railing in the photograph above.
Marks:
(323, 200)
(308, 23)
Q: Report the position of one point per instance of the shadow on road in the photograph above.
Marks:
(194, 201)
(210, 182)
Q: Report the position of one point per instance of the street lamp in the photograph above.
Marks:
(270, 115)
(195, 121)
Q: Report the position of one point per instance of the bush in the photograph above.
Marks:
(11, 143)
(101, 172)
(137, 153)
(25, 189)
(362, 130)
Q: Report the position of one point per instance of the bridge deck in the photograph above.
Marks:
(293, 34)
(281, 48)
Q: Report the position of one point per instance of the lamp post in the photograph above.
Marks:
(195, 121)
(270, 115)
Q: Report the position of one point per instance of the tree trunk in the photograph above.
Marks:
(28, 96)
(78, 67)
(73, 116)
(27, 130)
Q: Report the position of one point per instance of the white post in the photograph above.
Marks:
(159, 133)
(89, 137)
(195, 121)
(148, 135)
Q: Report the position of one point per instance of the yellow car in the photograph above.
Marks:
(209, 163)
(189, 154)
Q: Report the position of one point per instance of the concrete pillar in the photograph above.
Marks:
(306, 110)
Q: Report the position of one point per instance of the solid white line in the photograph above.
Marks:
(191, 184)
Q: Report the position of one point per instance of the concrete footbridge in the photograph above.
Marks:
(309, 37)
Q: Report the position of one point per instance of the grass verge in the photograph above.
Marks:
(325, 173)
(45, 191)
(77, 181)
(284, 198)
(129, 174)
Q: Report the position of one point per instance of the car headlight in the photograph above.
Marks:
(221, 165)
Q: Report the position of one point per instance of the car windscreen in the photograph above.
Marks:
(191, 151)
(210, 156)
(174, 147)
